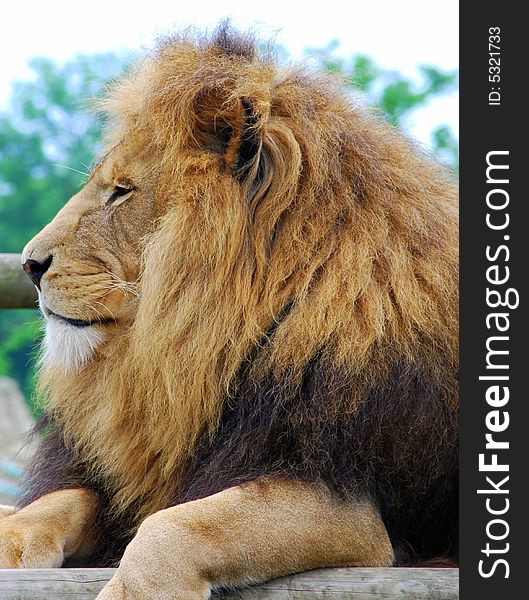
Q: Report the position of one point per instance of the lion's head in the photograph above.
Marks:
(244, 218)
(87, 261)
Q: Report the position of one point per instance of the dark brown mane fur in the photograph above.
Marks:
(297, 312)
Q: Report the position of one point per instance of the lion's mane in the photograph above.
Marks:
(297, 311)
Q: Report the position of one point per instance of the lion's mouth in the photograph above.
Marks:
(76, 322)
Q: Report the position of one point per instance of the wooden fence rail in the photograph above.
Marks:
(16, 290)
(323, 584)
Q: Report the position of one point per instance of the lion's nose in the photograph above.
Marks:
(35, 269)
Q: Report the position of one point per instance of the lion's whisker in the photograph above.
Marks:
(106, 308)
(71, 169)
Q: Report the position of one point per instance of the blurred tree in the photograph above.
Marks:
(48, 140)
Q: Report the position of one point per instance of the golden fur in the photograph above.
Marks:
(334, 237)
(42, 534)
(286, 527)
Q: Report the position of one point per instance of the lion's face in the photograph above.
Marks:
(181, 171)
(87, 259)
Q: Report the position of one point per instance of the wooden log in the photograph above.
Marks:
(16, 290)
(323, 584)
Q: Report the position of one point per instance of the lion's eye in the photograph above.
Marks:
(119, 195)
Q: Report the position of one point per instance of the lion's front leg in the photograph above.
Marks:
(44, 533)
(243, 535)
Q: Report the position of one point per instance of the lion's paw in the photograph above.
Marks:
(113, 590)
(121, 587)
(156, 566)
(28, 546)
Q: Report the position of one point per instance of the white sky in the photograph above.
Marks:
(396, 34)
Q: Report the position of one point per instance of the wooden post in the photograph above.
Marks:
(323, 584)
(16, 290)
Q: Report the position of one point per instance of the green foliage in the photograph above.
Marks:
(19, 334)
(446, 146)
(48, 140)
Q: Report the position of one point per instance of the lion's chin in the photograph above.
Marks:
(69, 347)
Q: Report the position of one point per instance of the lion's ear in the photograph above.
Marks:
(230, 127)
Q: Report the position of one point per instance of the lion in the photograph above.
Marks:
(250, 358)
